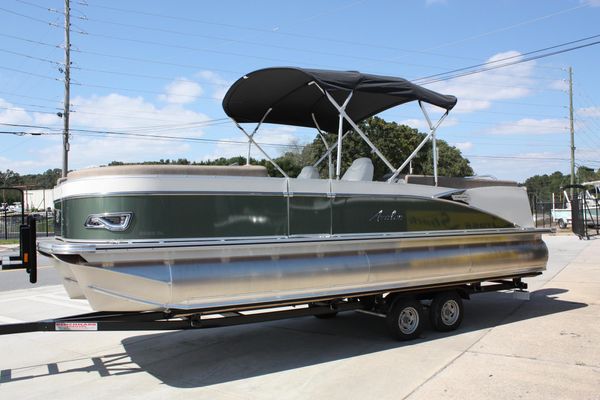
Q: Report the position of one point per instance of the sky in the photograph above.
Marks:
(161, 68)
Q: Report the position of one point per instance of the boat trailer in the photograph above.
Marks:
(379, 304)
(402, 308)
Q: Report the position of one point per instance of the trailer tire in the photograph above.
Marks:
(562, 224)
(405, 318)
(446, 311)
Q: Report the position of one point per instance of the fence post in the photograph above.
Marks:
(5, 224)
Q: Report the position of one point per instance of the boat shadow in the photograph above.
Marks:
(200, 358)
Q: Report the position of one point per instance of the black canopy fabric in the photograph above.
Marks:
(293, 101)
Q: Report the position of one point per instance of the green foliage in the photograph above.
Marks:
(396, 143)
(542, 186)
(46, 180)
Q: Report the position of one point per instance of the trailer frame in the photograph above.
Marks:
(378, 303)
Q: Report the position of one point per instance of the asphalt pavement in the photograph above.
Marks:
(544, 348)
(18, 279)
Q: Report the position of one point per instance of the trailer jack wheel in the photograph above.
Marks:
(405, 319)
(446, 311)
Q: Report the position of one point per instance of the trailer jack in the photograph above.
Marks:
(27, 257)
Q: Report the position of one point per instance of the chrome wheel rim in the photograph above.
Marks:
(408, 320)
(450, 312)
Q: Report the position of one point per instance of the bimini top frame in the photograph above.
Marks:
(330, 101)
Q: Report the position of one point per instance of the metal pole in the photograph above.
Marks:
(45, 211)
(572, 128)
(341, 111)
(5, 224)
(65, 168)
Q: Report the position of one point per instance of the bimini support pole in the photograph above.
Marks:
(251, 141)
(328, 152)
(342, 112)
(251, 136)
(430, 135)
(327, 148)
(432, 129)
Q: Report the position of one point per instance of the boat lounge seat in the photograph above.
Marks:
(309, 172)
(360, 170)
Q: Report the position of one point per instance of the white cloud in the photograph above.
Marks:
(593, 112)
(463, 146)
(421, 123)
(284, 135)
(11, 114)
(530, 126)
(182, 91)
(479, 91)
(113, 113)
(591, 3)
(123, 113)
(220, 84)
(519, 167)
(559, 84)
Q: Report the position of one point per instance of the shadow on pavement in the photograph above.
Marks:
(189, 359)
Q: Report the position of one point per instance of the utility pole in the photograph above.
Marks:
(572, 128)
(65, 167)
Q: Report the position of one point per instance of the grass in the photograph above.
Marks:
(9, 241)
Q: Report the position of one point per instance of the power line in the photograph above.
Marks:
(28, 17)
(508, 64)
(512, 57)
(30, 73)
(527, 22)
(84, 132)
(31, 57)
(278, 32)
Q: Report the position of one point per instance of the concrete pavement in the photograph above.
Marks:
(548, 347)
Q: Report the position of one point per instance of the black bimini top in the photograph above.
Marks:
(293, 101)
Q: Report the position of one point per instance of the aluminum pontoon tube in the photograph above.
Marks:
(141, 278)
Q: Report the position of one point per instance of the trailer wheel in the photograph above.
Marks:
(562, 224)
(446, 311)
(405, 318)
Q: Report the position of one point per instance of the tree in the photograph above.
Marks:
(542, 186)
(396, 142)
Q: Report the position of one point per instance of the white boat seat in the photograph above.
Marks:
(308, 172)
(360, 170)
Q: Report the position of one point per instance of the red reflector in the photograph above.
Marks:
(25, 257)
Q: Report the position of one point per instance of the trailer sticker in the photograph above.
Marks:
(76, 326)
